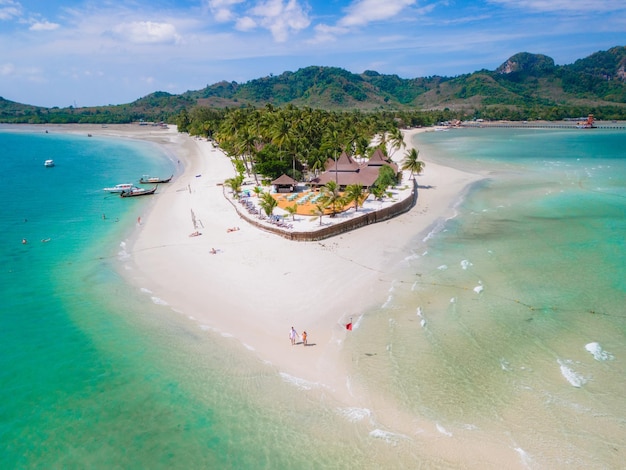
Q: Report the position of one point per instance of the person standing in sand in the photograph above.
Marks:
(293, 334)
(304, 338)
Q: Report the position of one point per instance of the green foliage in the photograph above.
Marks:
(268, 203)
(523, 87)
(386, 177)
(412, 163)
(354, 193)
(234, 184)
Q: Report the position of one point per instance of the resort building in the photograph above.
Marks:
(345, 171)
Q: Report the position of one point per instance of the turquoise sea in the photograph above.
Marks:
(505, 324)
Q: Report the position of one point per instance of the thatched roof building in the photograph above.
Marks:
(346, 171)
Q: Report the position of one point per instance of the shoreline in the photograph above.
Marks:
(258, 285)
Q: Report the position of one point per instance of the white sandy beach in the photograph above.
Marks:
(259, 284)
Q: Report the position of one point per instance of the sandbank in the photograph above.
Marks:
(258, 285)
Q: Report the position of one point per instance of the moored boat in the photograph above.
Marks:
(118, 188)
(48, 163)
(154, 180)
(588, 124)
(137, 192)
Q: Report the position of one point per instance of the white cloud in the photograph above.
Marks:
(359, 14)
(572, 6)
(362, 12)
(43, 26)
(223, 9)
(326, 33)
(281, 17)
(245, 24)
(147, 32)
(10, 9)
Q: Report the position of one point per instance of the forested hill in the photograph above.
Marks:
(524, 85)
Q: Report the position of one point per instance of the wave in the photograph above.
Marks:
(599, 354)
(443, 430)
(465, 264)
(158, 301)
(354, 414)
(575, 379)
(298, 382)
(389, 437)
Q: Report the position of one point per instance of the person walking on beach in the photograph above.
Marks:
(304, 338)
(293, 334)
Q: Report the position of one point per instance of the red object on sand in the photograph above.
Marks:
(349, 326)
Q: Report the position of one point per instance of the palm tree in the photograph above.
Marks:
(292, 210)
(320, 210)
(354, 193)
(412, 163)
(268, 203)
(234, 184)
(396, 139)
(332, 197)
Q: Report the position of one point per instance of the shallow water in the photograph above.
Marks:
(491, 323)
(505, 328)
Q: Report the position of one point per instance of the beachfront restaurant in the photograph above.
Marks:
(284, 184)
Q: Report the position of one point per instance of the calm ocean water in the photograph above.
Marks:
(507, 323)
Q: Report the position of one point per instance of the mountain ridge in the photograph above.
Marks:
(522, 82)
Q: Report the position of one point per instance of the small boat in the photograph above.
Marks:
(138, 192)
(154, 180)
(588, 124)
(118, 188)
(48, 163)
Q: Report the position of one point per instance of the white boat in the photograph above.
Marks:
(48, 163)
(118, 188)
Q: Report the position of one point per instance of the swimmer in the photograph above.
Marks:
(24, 241)
(45, 240)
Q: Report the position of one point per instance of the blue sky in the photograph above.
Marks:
(85, 52)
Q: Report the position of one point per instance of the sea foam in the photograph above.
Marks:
(574, 378)
(599, 354)
(443, 430)
(389, 437)
(298, 382)
(354, 414)
(465, 264)
(158, 301)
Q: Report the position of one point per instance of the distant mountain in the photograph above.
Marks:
(524, 81)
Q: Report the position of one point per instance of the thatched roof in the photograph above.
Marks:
(344, 163)
(284, 180)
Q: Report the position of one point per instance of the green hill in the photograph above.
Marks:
(525, 83)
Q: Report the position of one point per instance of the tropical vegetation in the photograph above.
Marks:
(412, 163)
(525, 87)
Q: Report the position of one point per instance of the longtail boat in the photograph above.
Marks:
(154, 180)
(138, 192)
